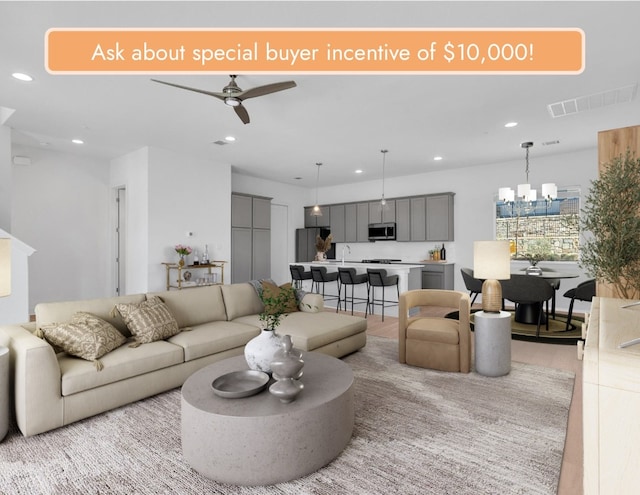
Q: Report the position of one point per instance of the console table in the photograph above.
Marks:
(611, 399)
(215, 269)
(259, 440)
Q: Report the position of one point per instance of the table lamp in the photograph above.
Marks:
(491, 262)
(5, 267)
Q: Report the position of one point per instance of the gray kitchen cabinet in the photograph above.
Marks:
(337, 213)
(261, 254)
(241, 257)
(418, 231)
(438, 276)
(250, 237)
(321, 221)
(362, 225)
(350, 222)
(241, 211)
(440, 217)
(379, 213)
(403, 219)
(261, 213)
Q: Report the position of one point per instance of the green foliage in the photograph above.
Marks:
(612, 215)
(275, 307)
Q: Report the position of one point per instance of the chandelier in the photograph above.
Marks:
(525, 192)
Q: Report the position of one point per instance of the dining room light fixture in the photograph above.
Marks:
(316, 211)
(524, 191)
(383, 201)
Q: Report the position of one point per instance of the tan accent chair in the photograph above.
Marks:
(435, 342)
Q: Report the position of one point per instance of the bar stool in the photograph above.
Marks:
(298, 275)
(348, 276)
(379, 278)
(319, 276)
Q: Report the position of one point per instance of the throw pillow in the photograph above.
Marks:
(284, 293)
(85, 336)
(149, 320)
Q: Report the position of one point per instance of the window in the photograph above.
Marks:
(543, 229)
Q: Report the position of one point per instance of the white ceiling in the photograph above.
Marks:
(340, 120)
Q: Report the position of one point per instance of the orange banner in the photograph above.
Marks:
(472, 51)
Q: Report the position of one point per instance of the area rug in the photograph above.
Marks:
(417, 431)
(557, 333)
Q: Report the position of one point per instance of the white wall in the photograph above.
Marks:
(60, 208)
(186, 195)
(6, 178)
(131, 171)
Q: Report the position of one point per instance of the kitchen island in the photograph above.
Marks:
(409, 278)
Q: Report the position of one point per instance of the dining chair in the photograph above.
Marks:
(529, 293)
(585, 291)
(473, 285)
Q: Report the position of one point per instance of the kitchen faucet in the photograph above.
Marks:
(346, 246)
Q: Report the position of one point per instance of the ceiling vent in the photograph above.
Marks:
(593, 102)
(220, 142)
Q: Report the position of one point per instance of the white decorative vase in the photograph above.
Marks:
(260, 350)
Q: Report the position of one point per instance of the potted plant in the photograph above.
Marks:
(278, 302)
(612, 217)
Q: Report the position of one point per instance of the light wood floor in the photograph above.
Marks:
(547, 355)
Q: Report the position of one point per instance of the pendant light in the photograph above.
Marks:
(525, 192)
(383, 201)
(316, 211)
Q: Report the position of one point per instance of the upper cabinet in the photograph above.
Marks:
(418, 218)
(241, 211)
(379, 213)
(337, 222)
(317, 221)
(440, 217)
(261, 213)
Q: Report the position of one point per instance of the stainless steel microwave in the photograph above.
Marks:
(382, 231)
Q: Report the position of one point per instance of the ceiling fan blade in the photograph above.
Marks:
(242, 113)
(266, 89)
(220, 96)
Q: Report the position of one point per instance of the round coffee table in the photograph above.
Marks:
(259, 440)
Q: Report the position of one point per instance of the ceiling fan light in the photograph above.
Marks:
(232, 101)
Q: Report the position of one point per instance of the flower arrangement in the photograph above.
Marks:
(276, 306)
(183, 250)
(323, 245)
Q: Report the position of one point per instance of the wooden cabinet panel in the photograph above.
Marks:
(362, 234)
(261, 254)
(337, 222)
(321, 221)
(418, 219)
(379, 213)
(261, 213)
(403, 220)
(241, 259)
(241, 211)
(350, 223)
(438, 276)
(439, 213)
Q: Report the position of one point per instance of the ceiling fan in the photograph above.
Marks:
(233, 95)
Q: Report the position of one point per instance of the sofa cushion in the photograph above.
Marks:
(194, 306)
(85, 336)
(284, 293)
(241, 300)
(214, 337)
(149, 320)
(119, 364)
(310, 331)
(47, 313)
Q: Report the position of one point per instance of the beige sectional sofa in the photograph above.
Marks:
(52, 390)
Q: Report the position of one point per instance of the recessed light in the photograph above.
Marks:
(230, 139)
(511, 124)
(437, 158)
(77, 141)
(358, 171)
(22, 77)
